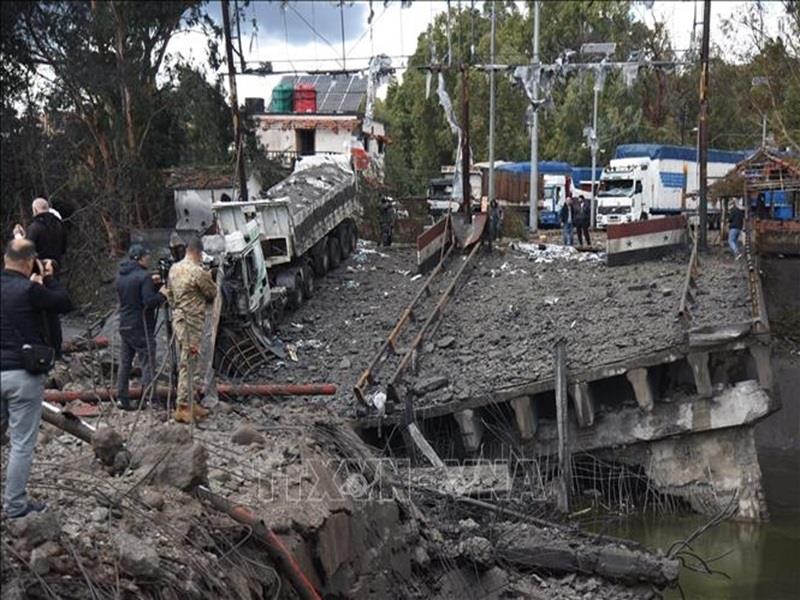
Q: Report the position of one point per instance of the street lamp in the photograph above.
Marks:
(605, 49)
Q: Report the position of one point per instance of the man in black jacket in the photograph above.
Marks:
(46, 231)
(567, 218)
(736, 224)
(25, 299)
(583, 218)
(138, 301)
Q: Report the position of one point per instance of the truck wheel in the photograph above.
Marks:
(352, 236)
(308, 282)
(320, 262)
(295, 293)
(334, 252)
(344, 239)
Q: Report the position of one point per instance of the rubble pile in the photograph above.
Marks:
(353, 528)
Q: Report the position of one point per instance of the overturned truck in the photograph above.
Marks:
(268, 252)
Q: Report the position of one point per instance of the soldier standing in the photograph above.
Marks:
(386, 220)
(190, 288)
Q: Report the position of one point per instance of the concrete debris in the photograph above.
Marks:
(171, 458)
(548, 253)
(430, 384)
(41, 555)
(107, 443)
(35, 529)
(246, 434)
(136, 556)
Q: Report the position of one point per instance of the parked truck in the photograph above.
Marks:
(646, 180)
(273, 246)
(512, 189)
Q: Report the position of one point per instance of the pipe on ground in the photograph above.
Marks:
(277, 551)
(68, 422)
(83, 344)
(223, 389)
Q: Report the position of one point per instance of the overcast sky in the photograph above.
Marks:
(308, 35)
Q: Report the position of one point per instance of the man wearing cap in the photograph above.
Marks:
(138, 301)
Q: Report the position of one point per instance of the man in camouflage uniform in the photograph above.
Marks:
(190, 289)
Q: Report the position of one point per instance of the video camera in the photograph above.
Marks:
(164, 265)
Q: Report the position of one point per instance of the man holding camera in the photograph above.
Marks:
(26, 355)
(138, 302)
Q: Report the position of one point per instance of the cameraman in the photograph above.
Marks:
(25, 301)
(138, 302)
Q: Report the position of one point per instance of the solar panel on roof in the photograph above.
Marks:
(335, 93)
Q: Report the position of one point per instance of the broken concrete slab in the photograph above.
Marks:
(172, 458)
(137, 557)
(430, 384)
(482, 478)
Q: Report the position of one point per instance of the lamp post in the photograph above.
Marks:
(605, 49)
(533, 215)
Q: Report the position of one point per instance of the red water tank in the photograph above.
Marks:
(305, 98)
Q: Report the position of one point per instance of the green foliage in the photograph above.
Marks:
(661, 106)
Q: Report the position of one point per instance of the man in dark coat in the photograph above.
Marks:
(583, 219)
(46, 231)
(138, 301)
(568, 215)
(735, 224)
(25, 299)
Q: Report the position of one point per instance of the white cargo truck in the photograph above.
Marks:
(651, 180)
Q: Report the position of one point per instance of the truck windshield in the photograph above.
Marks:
(615, 187)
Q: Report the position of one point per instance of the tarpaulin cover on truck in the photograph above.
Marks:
(689, 153)
(550, 167)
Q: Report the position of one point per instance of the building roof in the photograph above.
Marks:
(656, 151)
(763, 170)
(336, 94)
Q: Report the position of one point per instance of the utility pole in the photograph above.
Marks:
(341, 20)
(465, 158)
(703, 126)
(237, 119)
(594, 145)
(491, 113)
(533, 213)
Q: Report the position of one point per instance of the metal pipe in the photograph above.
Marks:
(68, 422)
(534, 183)
(275, 548)
(245, 389)
(83, 344)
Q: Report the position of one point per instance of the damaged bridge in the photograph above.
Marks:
(666, 370)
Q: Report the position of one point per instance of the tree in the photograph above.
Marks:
(102, 59)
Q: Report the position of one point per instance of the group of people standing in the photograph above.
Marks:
(576, 216)
(32, 300)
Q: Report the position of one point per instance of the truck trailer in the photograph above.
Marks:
(272, 247)
(512, 189)
(648, 180)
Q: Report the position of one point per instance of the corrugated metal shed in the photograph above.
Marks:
(336, 94)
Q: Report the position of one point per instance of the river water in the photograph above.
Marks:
(762, 559)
